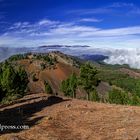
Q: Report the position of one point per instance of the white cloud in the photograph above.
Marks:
(72, 30)
(121, 4)
(47, 22)
(46, 32)
(19, 25)
(90, 20)
(134, 11)
(26, 34)
(25, 26)
(125, 56)
(103, 10)
(114, 32)
(121, 8)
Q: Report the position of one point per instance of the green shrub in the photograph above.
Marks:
(43, 66)
(65, 87)
(10, 98)
(13, 82)
(69, 86)
(22, 80)
(117, 96)
(135, 100)
(17, 57)
(124, 81)
(94, 96)
(88, 78)
(48, 88)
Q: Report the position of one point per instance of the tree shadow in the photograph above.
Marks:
(19, 101)
(21, 115)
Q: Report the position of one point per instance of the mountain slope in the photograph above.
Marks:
(54, 74)
(62, 118)
(40, 69)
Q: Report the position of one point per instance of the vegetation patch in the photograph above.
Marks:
(48, 88)
(87, 80)
(13, 82)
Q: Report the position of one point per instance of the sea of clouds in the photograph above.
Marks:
(130, 56)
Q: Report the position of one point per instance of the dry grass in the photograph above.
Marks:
(81, 120)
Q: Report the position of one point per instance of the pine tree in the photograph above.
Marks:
(88, 79)
(73, 84)
(8, 79)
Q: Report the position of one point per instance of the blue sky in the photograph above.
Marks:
(98, 23)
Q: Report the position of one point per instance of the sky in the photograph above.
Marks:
(97, 23)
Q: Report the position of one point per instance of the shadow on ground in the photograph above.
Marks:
(21, 115)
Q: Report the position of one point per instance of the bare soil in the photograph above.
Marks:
(57, 118)
(53, 74)
(131, 73)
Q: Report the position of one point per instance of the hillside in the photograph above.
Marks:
(54, 74)
(56, 116)
(67, 119)
(55, 67)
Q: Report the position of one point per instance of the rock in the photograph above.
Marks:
(86, 105)
(67, 106)
(48, 118)
(14, 138)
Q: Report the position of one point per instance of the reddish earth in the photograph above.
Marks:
(54, 74)
(131, 73)
(67, 119)
(57, 75)
(60, 118)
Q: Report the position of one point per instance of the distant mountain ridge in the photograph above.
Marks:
(60, 46)
(6, 52)
(94, 57)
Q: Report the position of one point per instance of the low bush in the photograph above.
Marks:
(48, 88)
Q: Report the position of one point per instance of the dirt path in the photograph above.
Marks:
(61, 119)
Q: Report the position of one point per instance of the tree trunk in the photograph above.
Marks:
(73, 95)
(88, 97)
